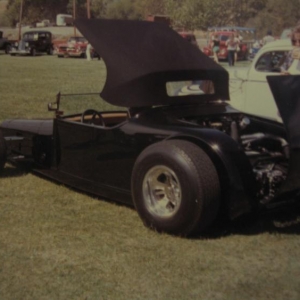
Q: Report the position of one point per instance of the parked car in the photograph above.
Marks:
(33, 43)
(181, 160)
(5, 44)
(74, 42)
(74, 47)
(249, 89)
(224, 33)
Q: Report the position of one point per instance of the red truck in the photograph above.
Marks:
(223, 34)
(75, 46)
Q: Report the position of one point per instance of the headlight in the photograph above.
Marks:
(26, 44)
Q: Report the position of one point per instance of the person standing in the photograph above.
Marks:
(239, 38)
(232, 44)
(293, 55)
(268, 38)
(215, 47)
(88, 51)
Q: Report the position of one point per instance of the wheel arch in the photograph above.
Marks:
(3, 151)
(236, 188)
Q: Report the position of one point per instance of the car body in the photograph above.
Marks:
(33, 43)
(74, 47)
(249, 89)
(5, 44)
(224, 35)
(286, 34)
(60, 48)
(182, 159)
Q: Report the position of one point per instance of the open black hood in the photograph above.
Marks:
(141, 57)
(286, 92)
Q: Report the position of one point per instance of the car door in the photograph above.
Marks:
(74, 143)
(98, 154)
(258, 96)
(43, 41)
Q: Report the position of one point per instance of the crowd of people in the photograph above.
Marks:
(232, 44)
(294, 54)
(234, 41)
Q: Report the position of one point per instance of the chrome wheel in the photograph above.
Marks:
(162, 192)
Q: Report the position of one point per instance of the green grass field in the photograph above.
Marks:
(56, 243)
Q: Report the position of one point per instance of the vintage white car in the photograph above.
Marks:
(249, 90)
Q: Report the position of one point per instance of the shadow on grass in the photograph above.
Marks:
(14, 171)
(286, 221)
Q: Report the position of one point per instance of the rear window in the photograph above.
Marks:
(271, 61)
(189, 88)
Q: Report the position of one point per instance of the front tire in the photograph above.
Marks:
(7, 48)
(2, 152)
(50, 51)
(176, 188)
(33, 52)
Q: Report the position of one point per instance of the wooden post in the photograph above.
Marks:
(20, 19)
(74, 15)
(88, 7)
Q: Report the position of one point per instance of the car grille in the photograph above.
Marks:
(21, 45)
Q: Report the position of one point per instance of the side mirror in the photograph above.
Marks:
(54, 106)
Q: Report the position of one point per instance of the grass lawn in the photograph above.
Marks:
(56, 243)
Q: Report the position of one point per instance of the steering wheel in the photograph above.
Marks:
(95, 114)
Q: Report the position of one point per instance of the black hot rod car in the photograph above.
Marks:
(179, 153)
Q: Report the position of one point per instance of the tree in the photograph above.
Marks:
(123, 9)
(150, 7)
(80, 6)
(99, 8)
(276, 16)
(34, 10)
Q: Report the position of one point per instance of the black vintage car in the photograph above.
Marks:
(178, 152)
(33, 43)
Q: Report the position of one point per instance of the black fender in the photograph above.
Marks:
(28, 139)
(235, 172)
(40, 127)
(3, 152)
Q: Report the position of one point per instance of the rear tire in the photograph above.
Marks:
(2, 152)
(33, 52)
(50, 51)
(176, 188)
(7, 48)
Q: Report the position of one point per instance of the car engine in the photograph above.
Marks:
(267, 153)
